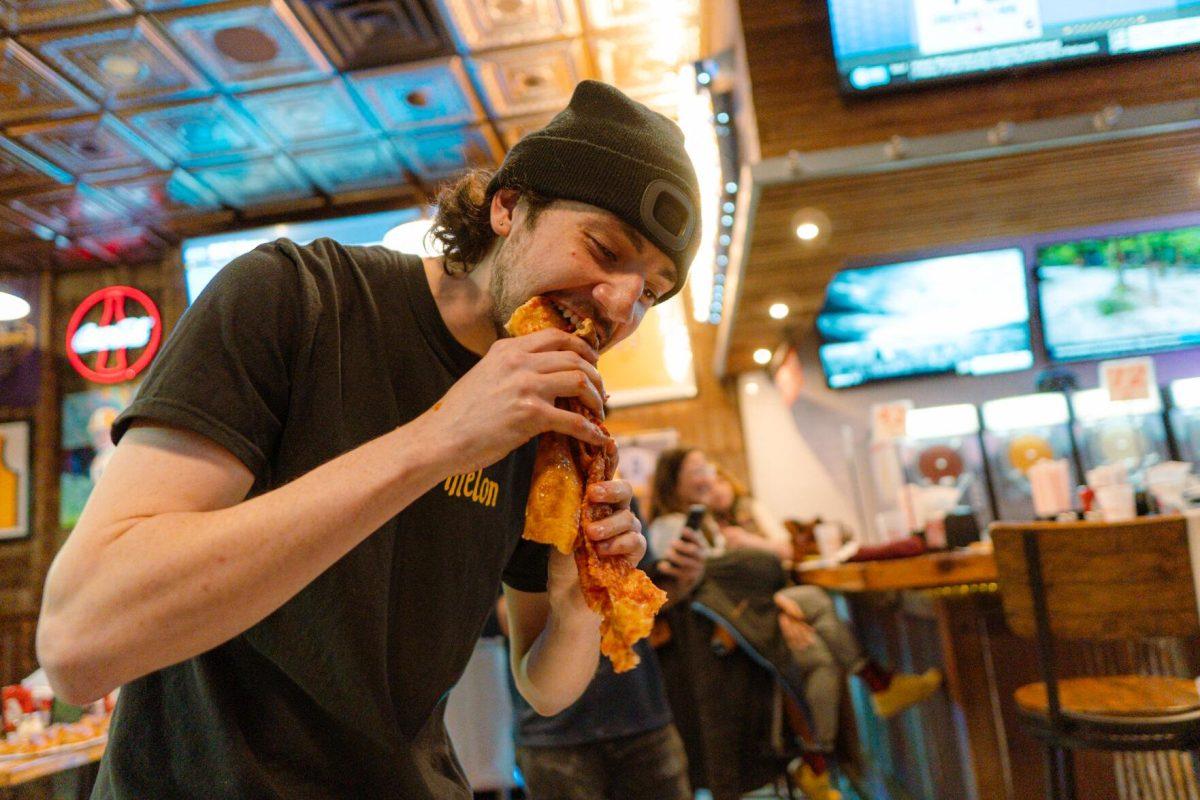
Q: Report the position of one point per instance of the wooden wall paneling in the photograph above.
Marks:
(798, 107)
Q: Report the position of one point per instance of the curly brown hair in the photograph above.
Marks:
(463, 223)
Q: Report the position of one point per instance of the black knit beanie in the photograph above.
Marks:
(609, 151)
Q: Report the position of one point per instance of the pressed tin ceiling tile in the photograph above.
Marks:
(248, 44)
(352, 166)
(425, 95)
(95, 143)
(160, 195)
(514, 129)
(69, 210)
(21, 170)
(248, 182)
(602, 14)
(644, 61)
(25, 15)
(312, 113)
(486, 24)
(30, 89)
(358, 34)
(198, 131)
(525, 80)
(437, 154)
(122, 63)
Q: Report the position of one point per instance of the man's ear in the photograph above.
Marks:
(504, 206)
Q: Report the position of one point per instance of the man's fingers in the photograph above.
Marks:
(554, 339)
(560, 361)
(575, 425)
(570, 384)
(788, 606)
(615, 492)
(667, 568)
(629, 544)
(615, 525)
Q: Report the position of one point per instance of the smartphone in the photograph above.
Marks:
(695, 514)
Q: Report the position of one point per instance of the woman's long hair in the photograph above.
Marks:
(664, 495)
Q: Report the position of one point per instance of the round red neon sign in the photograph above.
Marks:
(119, 331)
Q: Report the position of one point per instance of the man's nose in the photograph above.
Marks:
(619, 297)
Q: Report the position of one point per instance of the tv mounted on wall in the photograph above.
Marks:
(1118, 295)
(966, 314)
(883, 45)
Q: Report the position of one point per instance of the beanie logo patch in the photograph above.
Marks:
(668, 215)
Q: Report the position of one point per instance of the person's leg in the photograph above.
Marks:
(890, 692)
(648, 766)
(819, 612)
(815, 675)
(563, 773)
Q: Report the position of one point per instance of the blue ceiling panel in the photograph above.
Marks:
(349, 167)
(248, 44)
(317, 112)
(434, 155)
(95, 143)
(430, 94)
(161, 195)
(70, 210)
(199, 131)
(247, 183)
(122, 63)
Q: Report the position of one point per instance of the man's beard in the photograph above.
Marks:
(506, 297)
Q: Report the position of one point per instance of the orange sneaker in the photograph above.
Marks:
(906, 691)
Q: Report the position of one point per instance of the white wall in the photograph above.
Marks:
(797, 457)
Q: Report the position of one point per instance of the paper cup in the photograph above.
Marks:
(1117, 502)
(829, 539)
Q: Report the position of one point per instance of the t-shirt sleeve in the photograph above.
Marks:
(226, 370)
(527, 567)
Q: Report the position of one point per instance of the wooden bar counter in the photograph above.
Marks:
(942, 610)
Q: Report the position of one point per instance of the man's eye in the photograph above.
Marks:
(607, 254)
(650, 295)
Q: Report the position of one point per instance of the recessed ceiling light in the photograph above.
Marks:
(762, 355)
(811, 225)
(778, 310)
(12, 307)
(807, 231)
(751, 387)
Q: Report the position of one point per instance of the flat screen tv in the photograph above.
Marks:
(881, 45)
(966, 314)
(205, 256)
(1120, 294)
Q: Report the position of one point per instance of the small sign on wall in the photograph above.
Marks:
(113, 335)
(889, 421)
(15, 468)
(1128, 378)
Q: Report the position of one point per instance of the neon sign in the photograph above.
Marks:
(128, 321)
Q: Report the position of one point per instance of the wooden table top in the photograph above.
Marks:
(34, 767)
(926, 571)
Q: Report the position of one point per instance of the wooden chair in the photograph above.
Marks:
(1100, 582)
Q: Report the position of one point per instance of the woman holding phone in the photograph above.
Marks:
(749, 557)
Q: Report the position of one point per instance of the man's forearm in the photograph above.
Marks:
(151, 592)
(562, 660)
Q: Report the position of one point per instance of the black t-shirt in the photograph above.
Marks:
(291, 357)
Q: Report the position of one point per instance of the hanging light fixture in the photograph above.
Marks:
(12, 307)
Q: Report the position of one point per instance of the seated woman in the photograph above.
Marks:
(747, 550)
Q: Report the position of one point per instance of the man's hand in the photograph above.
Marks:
(796, 632)
(684, 561)
(621, 533)
(508, 398)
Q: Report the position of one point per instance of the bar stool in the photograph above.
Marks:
(1100, 582)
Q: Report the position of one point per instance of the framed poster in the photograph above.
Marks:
(16, 467)
(87, 419)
